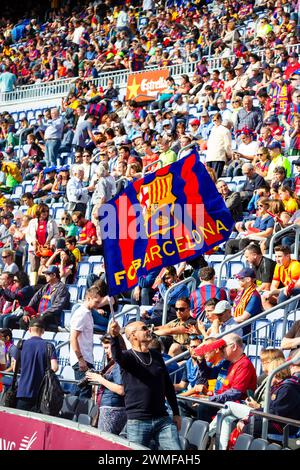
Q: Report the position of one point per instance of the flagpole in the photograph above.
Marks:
(111, 309)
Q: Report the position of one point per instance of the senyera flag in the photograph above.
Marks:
(169, 216)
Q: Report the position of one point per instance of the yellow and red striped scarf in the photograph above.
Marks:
(242, 299)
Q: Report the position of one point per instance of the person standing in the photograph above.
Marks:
(112, 413)
(53, 136)
(219, 148)
(34, 356)
(81, 338)
(146, 384)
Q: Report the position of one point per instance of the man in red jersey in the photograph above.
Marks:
(241, 376)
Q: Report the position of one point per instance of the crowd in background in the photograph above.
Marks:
(244, 119)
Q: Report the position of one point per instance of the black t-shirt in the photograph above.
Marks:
(264, 272)
(145, 386)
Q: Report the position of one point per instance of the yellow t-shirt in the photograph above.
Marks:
(286, 275)
(77, 254)
(31, 211)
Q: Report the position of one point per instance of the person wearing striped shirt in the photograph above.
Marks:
(207, 290)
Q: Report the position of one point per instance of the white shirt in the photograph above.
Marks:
(77, 34)
(76, 192)
(219, 144)
(82, 320)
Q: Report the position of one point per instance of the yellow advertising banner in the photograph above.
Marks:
(145, 86)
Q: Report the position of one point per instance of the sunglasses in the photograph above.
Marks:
(143, 328)
(259, 154)
(5, 256)
(180, 309)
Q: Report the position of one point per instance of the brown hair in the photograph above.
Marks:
(41, 207)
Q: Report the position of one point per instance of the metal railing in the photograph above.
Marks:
(223, 263)
(125, 312)
(295, 360)
(245, 323)
(295, 227)
(159, 161)
(188, 280)
(61, 87)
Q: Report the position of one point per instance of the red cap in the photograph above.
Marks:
(195, 122)
(205, 348)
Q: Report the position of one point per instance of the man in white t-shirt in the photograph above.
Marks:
(81, 338)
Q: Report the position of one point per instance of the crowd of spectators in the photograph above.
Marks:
(244, 118)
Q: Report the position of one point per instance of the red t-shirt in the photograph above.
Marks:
(241, 376)
(41, 233)
(88, 231)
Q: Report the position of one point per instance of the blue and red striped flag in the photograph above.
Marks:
(171, 215)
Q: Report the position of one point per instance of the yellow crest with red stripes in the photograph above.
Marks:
(158, 201)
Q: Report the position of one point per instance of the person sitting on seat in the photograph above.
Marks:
(48, 302)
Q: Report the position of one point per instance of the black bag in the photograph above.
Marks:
(51, 395)
(9, 398)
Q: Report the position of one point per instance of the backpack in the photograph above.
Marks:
(51, 395)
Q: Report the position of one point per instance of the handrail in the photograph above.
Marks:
(191, 145)
(293, 361)
(60, 87)
(121, 314)
(167, 295)
(26, 129)
(265, 415)
(281, 232)
(151, 164)
(242, 325)
(225, 260)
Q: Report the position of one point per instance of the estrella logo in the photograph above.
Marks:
(158, 202)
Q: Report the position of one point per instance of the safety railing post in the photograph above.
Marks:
(167, 295)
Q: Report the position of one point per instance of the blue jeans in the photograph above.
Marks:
(162, 430)
(293, 305)
(51, 151)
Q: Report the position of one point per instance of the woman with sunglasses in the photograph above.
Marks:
(262, 161)
(67, 224)
(88, 166)
(42, 233)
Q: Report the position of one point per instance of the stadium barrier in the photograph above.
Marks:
(61, 87)
(24, 430)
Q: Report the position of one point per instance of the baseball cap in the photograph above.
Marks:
(49, 170)
(195, 122)
(271, 120)
(52, 270)
(221, 307)
(166, 122)
(246, 272)
(274, 145)
(238, 66)
(204, 113)
(297, 162)
(294, 54)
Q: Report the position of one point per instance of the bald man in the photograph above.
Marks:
(147, 384)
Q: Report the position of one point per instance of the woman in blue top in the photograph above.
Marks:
(112, 414)
(259, 229)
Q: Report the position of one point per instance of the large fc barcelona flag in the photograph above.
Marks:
(169, 216)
